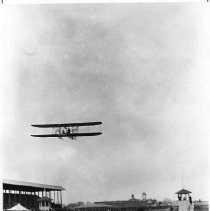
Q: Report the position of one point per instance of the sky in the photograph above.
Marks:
(139, 68)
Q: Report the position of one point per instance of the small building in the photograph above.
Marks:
(184, 202)
(133, 198)
(144, 196)
(183, 192)
(44, 203)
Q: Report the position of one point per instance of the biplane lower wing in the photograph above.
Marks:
(68, 135)
(68, 125)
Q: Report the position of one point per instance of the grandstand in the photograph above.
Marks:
(27, 194)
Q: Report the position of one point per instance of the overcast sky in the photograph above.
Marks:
(138, 68)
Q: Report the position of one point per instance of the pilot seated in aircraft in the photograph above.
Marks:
(68, 131)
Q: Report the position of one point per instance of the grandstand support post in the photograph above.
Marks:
(19, 197)
(57, 197)
(15, 196)
(54, 197)
(24, 198)
(9, 199)
(30, 198)
(61, 197)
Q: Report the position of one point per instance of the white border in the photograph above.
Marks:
(94, 1)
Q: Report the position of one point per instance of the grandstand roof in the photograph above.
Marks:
(183, 191)
(29, 186)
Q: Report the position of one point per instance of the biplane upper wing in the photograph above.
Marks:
(68, 135)
(68, 125)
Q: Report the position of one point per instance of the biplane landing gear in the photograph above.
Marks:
(72, 137)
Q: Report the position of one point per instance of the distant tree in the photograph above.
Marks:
(74, 205)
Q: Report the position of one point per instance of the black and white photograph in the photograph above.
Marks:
(105, 106)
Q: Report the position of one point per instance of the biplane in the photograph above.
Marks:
(70, 130)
